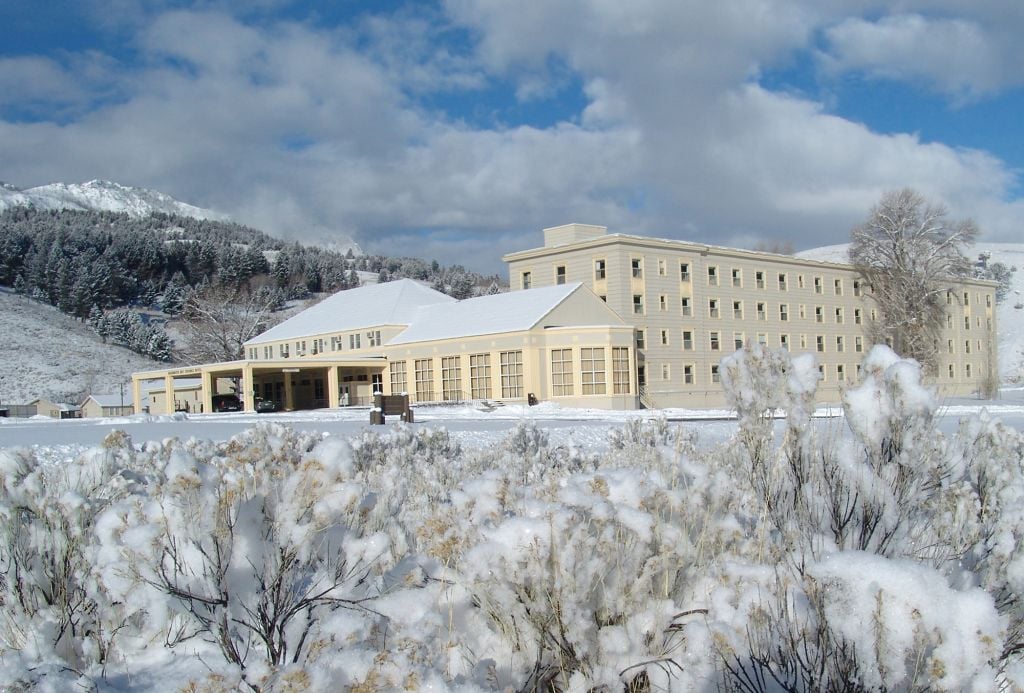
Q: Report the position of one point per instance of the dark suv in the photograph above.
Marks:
(227, 403)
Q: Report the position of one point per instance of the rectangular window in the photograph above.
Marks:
(480, 375)
(684, 271)
(839, 316)
(663, 302)
(599, 269)
(967, 322)
(799, 281)
(803, 341)
(858, 344)
(967, 299)
(782, 281)
(713, 311)
(819, 342)
(284, 350)
(762, 311)
(712, 276)
(373, 337)
(783, 312)
(638, 304)
(688, 375)
(967, 346)
(840, 372)
(988, 300)
(967, 370)
(268, 352)
(620, 371)
(451, 378)
(818, 285)
(715, 377)
(856, 287)
(666, 373)
(353, 341)
(560, 274)
(527, 280)
(856, 316)
(424, 371)
(561, 372)
(759, 279)
(952, 371)
(715, 342)
(592, 370)
(687, 340)
(949, 346)
(819, 314)
(737, 278)
(662, 269)
(837, 286)
(802, 310)
(641, 339)
(784, 341)
(336, 343)
(664, 338)
(840, 343)
(737, 340)
(399, 384)
(511, 373)
(737, 310)
(762, 339)
(636, 264)
(687, 307)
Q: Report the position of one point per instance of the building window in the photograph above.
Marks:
(737, 310)
(856, 316)
(820, 343)
(560, 274)
(967, 346)
(840, 372)
(819, 314)
(663, 302)
(666, 373)
(783, 312)
(762, 312)
(561, 372)
(737, 340)
(952, 371)
(713, 308)
(762, 339)
(336, 343)
(712, 276)
(967, 370)
(599, 269)
(664, 337)
(451, 378)
(837, 285)
(511, 373)
(424, 371)
(759, 279)
(803, 341)
(662, 269)
(839, 316)
(967, 322)
(284, 350)
(949, 346)
(373, 337)
(687, 340)
(715, 377)
(637, 267)
(784, 341)
(687, 306)
(641, 341)
(737, 278)
(840, 343)
(268, 352)
(353, 341)
(817, 285)
(856, 287)
(480, 375)
(799, 281)
(782, 281)
(526, 280)
(688, 375)
(620, 371)
(988, 300)
(802, 310)
(684, 271)
(592, 370)
(967, 299)
(715, 342)
(399, 384)
(638, 304)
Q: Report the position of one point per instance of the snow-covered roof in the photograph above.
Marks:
(509, 312)
(112, 400)
(390, 303)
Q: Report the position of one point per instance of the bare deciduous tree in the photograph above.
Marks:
(908, 251)
(218, 320)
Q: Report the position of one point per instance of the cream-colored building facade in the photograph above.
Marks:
(559, 343)
(690, 304)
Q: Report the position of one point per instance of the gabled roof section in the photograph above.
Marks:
(111, 400)
(390, 303)
(514, 311)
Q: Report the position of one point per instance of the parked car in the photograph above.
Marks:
(265, 406)
(227, 403)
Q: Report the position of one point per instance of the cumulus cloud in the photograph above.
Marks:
(310, 130)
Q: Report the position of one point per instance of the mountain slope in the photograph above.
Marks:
(101, 196)
(1009, 313)
(48, 354)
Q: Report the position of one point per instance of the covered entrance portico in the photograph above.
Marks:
(307, 383)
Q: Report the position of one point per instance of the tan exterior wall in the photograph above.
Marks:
(91, 408)
(736, 296)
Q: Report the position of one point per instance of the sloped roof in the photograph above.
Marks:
(390, 303)
(509, 312)
(111, 400)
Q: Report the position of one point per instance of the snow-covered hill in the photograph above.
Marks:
(101, 196)
(48, 354)
(1009, 313)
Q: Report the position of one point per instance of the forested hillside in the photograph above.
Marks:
(125, 275)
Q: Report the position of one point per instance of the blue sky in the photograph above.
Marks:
(459, 129)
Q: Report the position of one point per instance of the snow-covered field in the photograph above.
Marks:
(525, 548)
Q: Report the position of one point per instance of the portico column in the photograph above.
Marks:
(248, 389)
(289, 396)
(333, 398)
(169, 392)
(137, 395)
(206, 391)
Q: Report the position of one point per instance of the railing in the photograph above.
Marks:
(645, 397)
